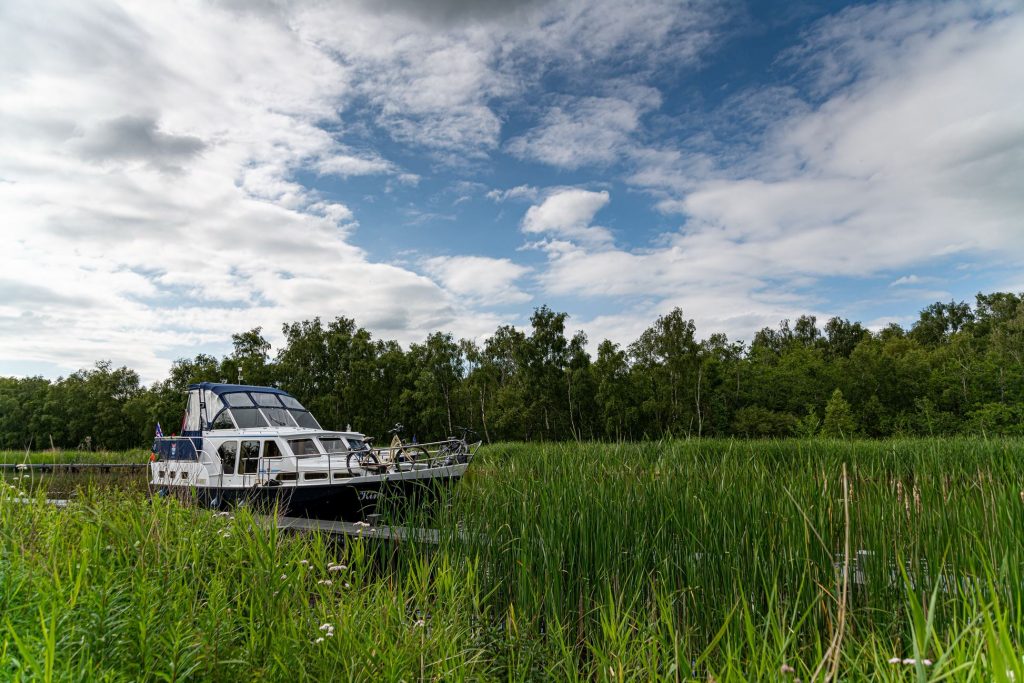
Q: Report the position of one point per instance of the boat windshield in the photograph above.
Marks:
(278, 417)
(333, 444)
(357, 444)
(303, 447)
(247, 418)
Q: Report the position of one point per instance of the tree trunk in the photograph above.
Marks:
(483, 417)
(700, 418)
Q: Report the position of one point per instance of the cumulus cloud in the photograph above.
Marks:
(911, 155)
(585, 131)
(107, 255)
(137, 138)
(568, 213)
(487, 281)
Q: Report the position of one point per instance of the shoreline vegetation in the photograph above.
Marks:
(706, 559)
(959, 369)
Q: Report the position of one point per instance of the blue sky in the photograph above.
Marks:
(176, 172)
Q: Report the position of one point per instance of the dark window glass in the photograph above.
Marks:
(250, 457)
(278, 417)
(237, 400)
(270, 450)
(248, 417)
(304, 419)
(314, 475)
(269, 400)
(333, 444)
(303, 447)
(227, 452)
(356, 444)
(223, 421)
(291, 402)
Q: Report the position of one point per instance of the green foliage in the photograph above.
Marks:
(808, 425)
(959, 370)
(755, 421)
(839, 420)
(691, 560)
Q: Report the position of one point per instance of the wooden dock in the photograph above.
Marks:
(326, 526)
(359, 529)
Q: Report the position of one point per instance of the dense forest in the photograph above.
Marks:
(958, 369)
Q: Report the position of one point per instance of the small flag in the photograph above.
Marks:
(159, 432)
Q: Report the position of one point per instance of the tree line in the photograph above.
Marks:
(959, 369)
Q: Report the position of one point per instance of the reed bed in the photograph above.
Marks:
(684, 560)
(72, 456)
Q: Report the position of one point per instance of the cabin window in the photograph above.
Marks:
(268, 400)
(184, 475)
(303, 447)
(227, 452)
(223, 421)
(314, 475)
(172, 474)
(291, 402)
(278, 417)
(356, 444)
(286, 476)
(161, 474)
(271, 449)
(248, 418)
(250, 457)
(304, 419)
(333, 444)
(237, 400)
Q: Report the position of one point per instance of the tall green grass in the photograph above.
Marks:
(63, 456)
(657, 561)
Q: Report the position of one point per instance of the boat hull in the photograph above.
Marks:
(349, 500)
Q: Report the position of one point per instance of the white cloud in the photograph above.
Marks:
(148, 190)
(568, 213)
(528, 192)
(487, 281)
(913, 155)
(905, 280)
(345, 165)
(585, 131)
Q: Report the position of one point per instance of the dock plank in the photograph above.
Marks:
(359, 529)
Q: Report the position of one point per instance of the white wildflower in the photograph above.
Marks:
(419, 623)
(786, 669)
(325, 582)
(895, 660)
(319, 640)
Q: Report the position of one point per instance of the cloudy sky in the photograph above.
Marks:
(171, 173)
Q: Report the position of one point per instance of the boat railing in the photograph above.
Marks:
(429, 453)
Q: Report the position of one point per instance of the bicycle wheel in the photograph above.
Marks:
(412, 454)
(361, 459)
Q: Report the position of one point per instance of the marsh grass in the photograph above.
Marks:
(656, 561)
(138, 455)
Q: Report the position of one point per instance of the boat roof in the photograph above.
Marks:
(219, 388)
